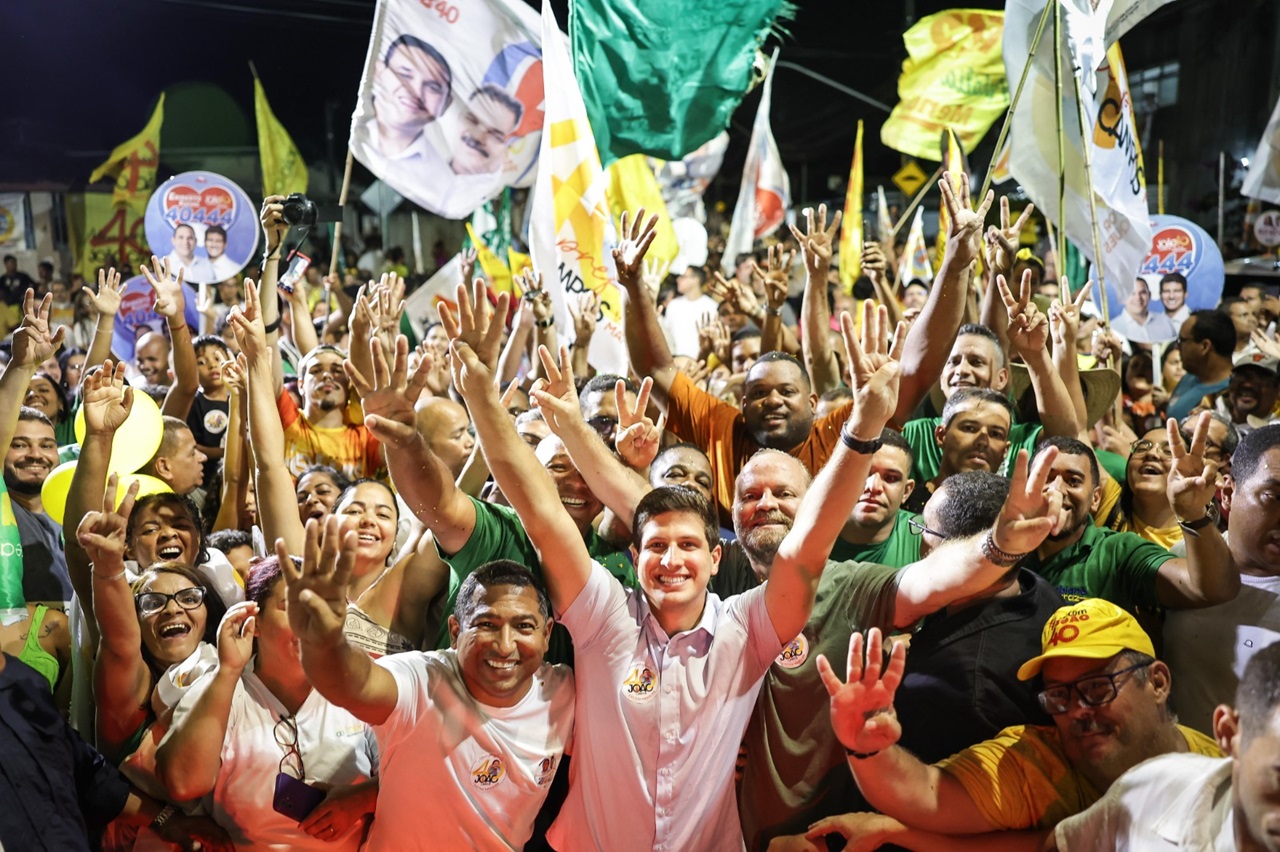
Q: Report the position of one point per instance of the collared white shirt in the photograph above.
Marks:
(659, 720)
(1175, 801)
(1157, 328)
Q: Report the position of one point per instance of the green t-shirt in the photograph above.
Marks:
(1114, 464)
(13, 603)
(899, 550)
(796, 770)
(1119, 567)
(919, 435)
(498, 534)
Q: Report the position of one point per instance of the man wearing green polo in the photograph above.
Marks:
(879, 530)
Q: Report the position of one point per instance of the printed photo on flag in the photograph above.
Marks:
(450, 109)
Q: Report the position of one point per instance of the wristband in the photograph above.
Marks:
(1194, 527)
(994, 554)
(275, 326)
(858, 755)
(98, 576)
(174, 328)
(546, 323)
(772, 312)
(166, 814)
(857, 445)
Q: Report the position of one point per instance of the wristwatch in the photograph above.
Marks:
(1193, 528)
(166, 814)
(858, 445)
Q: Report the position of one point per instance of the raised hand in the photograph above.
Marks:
(634, 240)
(586, 313)
(171, 300)
(722, 343)
(390, 305)
(107, 300)
(536, 297)
(274, 227)
(235, 374)
(1030, 513)
(33, 341)
(875, 368)
(556, 396)
(247, 325)
(964, 223)
(1002, 242)
(107, 399)
(862, 712)
(776, 275)
(468, 264)
(317, 591)
(362, 321)
(388, 396)
(235, 636)
(477, 325)
(101, 534)
(1028, 328)
(1192, 480)
(654, 271)
(1064, 316)
(817, 240)
(1267, 345)
(638, 439)
(873, 262)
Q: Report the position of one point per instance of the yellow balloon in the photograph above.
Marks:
(53, 494)
(146, 485)
(137, 440)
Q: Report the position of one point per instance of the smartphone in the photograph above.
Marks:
(297, 268)
(294, 798)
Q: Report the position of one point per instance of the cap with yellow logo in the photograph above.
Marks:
(1092, 629)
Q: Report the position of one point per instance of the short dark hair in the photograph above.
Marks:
(699, 272)
(980, 330)
(26, 412)
(1216, 327)
(64, 411)
(354, 484)
(1259, 691)
(777, 355)
(264, 576)
(494, 92)
(838, 392)
(606, 382)
(225, 540)
(1072, 447)
(965, 396)
(682, 445)
(206, 340)
(893, 438)
(1247, 457)
(215, 229)
(214, 606)
(182, 503)
(340, 480)
(1176, 278)
(418, 44)
(745, 333)
(674, 498)
(1253, 285)
(1229, 443)
(973, 503)
(500, 572)
(1226, 303)
(742, 257)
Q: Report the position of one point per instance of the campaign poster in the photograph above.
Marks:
(204, 224)
(137, 315)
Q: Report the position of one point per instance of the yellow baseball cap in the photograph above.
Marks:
(1092, 629)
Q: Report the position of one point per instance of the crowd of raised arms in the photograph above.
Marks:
(945, 567)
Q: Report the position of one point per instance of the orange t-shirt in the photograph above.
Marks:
(350, 448)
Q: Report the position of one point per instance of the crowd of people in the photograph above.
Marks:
(940, 565)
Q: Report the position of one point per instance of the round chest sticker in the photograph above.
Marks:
(215, 421)
(640, 684)
(488, 772)
(794, 655)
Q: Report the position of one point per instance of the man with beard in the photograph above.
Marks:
(32, 453)
(1250, 397)
(1087, 561)
(973, 435)
(326, 429)
(1109, 699)
(880, 530)
(1208, 648)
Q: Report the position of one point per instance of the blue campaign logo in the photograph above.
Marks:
(204, 224)
(1181, 246)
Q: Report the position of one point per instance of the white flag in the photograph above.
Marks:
(450, 105)
(765, 193)
(1263, 179)
(570, 228)
(915, 255)
(1119, 186)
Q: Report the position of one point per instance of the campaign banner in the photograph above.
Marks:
(765, 192)
(107, 233)
(450, 108)
(13, 220)
(683, 181)
(1177, 245)
(137, 315)
(204, 224)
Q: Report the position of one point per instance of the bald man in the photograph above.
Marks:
(446, 428)
(151, 356)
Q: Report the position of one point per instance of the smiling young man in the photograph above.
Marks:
(667, 675)
(879, 529)
(32, 454)
(973, 434)
(326, 429)
(480, 726)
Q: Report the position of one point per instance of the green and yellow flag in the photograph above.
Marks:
(851, 224)
(283, 169)
(134, 162)
(497, 272)
(953, 77)
(632, 185)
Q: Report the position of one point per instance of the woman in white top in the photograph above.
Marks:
(253, 732)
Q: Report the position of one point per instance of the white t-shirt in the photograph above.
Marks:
(458, 774)
(337, 749)
(682, 318)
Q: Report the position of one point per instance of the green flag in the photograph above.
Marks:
(662, 77)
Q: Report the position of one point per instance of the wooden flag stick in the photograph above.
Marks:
(1093, 206)
(915, 202)
(337, 226)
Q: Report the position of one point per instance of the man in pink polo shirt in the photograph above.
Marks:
(667, 676)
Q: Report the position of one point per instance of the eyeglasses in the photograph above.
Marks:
(149, 603)
(604, 425)
(1094, 691)
(1212, 451)
(286, 733)
(1142, 445)
(917, 526)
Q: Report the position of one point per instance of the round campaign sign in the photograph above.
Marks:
(1178, 245)
(204, 224)
(137, 315)
(1266, 228)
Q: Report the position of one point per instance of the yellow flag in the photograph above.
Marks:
(953, 165)
(632, 185)
(851, 224)
(953, 77)
(106, 233)
(134, 162)
(495, 270)
(283, 169)
(518, 261)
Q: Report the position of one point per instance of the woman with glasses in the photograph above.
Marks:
(285, 768)
(1141, 505)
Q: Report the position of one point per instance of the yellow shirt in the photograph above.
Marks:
(1166, 537)
(1022, 779)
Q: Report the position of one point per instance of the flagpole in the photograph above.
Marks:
(1062, 143)
(337, 226)
(1013, 104)
(1222, 186)
(1160, 178)
(1093, 205)
(915, 202)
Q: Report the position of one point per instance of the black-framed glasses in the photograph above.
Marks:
(1094, 691)
(917, 526)
(149, 603)
(1142, 445)
(604, 425)
(286, 733)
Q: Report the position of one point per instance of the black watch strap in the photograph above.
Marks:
(858, 445)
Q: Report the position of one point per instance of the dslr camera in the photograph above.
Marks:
(300, 211)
